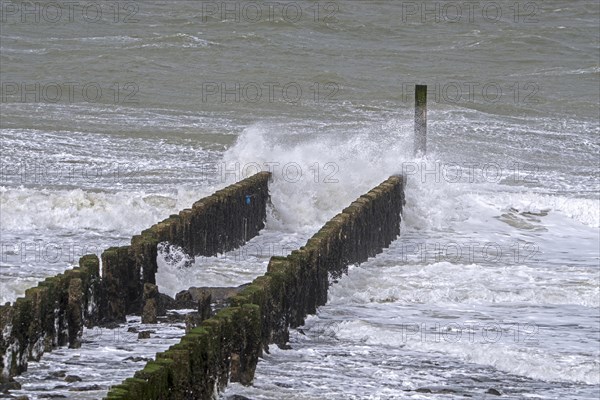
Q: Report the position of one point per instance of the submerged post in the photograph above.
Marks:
(420, 120)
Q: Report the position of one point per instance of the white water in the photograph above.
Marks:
(500, 230)
(511, 305)
(470, 258)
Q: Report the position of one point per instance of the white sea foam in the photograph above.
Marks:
(520, 359)
(444, 283)
(316, 175)
(26, 209)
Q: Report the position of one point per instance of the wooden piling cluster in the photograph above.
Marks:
(55, 312)
(216, 224)
(226, 347)
(51, 314)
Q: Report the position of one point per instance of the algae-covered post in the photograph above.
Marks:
(420, 120)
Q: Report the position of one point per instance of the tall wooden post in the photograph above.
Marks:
(420, 120)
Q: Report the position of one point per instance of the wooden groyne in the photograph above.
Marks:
(54, 313)
(226, 347)
(216, 224)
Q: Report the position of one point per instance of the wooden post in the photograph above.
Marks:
(420, 120)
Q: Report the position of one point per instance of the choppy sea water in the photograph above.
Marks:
(494, 282)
